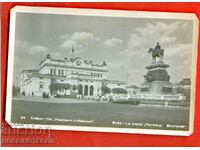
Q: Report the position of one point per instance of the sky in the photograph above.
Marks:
(122, 42)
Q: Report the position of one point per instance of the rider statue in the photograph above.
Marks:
(157, 52)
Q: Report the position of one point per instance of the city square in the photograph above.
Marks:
(102, 113)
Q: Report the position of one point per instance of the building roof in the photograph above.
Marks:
(132, 86)
(48, 56)
(185, 81)
(39, 75)
(113, 81)
(30, 70)
(74, 67)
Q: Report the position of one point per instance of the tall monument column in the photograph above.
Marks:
(157, 79)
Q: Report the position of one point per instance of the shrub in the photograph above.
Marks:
(119, 91)
(105, 90)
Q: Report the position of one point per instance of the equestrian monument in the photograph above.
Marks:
(157, 79)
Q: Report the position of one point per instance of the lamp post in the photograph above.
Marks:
(126, 75)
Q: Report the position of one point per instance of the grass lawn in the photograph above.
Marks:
(98, 114)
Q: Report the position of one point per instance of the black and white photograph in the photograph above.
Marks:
(102, 70)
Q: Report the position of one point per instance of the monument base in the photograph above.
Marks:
(157, 87)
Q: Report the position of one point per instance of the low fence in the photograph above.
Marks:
(150, 97)
(157, 97)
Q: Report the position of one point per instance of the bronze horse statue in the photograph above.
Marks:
(156, 52)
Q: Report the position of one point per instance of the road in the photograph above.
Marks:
(98, 114)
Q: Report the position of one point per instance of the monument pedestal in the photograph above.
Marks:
(157, 80)
(157, 87)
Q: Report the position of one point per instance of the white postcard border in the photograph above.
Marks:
(105, 13)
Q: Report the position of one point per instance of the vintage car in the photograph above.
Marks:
(124, 99)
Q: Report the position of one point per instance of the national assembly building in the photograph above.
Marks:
(70, 76)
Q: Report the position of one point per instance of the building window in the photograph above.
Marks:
(54, 72)
(40, 87)
(62, 72)
(80, 89)
(86, 90)
(91, 90)
(51, 71)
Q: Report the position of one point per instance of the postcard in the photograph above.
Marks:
(102, 70)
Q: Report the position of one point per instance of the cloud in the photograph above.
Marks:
(56, 54)
(68, 44)
(178, 49)
(185, 25)
(31, 48)
(147, 36)
(38, 49)
(22, 44)
(28, 55)
(157, 29)
(112, 42)
(81, 36)
(78, 40)
(64, 36)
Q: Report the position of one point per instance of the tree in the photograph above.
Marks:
(185, 92)
(74, 87)
(119, 91)
(66, 86)
(105, 90)
(53, 87)
(15, 90)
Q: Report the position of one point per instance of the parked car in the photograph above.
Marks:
(125, 100)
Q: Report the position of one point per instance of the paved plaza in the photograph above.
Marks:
(102, 114)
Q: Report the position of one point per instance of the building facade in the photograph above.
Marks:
(133, 89)
(70, 76)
